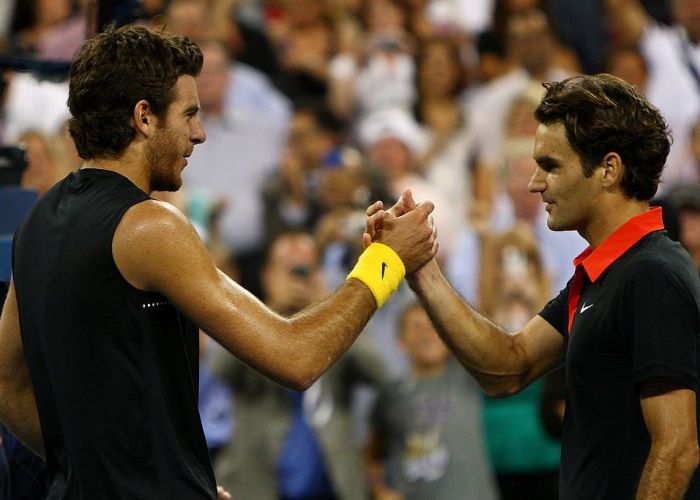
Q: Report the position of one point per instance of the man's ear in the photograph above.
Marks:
(144, 120)
(613, 169)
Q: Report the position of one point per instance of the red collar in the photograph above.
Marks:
(595, 262)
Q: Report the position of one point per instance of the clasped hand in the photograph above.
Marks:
(406, 227)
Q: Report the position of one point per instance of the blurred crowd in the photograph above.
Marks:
(314, 109)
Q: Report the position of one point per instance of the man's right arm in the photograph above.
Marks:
(502, 362)
(156, 249)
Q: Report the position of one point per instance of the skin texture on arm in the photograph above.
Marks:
(156, 249)
(669, 414)
(502, 362)
(17, 404)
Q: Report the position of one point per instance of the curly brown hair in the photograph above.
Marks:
(112, 72)
(603, 114)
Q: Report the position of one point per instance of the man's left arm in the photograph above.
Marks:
(17, 404)
(669, 413)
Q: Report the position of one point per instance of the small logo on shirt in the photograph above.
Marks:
(585, 307)
(384, 266)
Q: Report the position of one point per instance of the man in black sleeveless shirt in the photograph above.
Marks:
(626, 325)
(98, 343)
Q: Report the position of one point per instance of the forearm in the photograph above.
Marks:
(667, 473)
(18, 413)
(487, 351)
(296, 351)
(327, 329)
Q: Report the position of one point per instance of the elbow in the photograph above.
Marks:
(689, 457)
(499, 391)
(299, 383)
(300, 376)
(502, 387)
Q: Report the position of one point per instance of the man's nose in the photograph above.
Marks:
(536, 183)
(199, 134)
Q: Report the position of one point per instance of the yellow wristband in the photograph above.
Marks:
(381, 269)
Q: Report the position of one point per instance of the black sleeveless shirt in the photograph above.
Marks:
(114, 368)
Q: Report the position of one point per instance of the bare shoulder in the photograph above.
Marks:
(151, 216)
(154, 238)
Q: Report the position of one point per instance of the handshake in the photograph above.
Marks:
(397, 242)
(406, 227)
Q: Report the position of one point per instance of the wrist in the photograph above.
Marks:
(381, 269)
(420, 278)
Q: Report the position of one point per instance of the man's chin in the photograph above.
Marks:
(170, 185)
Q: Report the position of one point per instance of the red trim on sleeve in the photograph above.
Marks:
(595, 261)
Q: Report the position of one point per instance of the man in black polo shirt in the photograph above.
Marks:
(625, 326)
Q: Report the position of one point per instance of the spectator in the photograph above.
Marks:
(48, 29)
(492, 60)
(290, 194)
(628, 63)
(532, 46)
(242, 151)
(44, 162)
(686, 199)
(427, 439)
(674, 64)
(303, 38)
(206, 19)
(514, 285)
(445, 163)
(382, 75)
(393, 141)
(291, 444)
(32, 103)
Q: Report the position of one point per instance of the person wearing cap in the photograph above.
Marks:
(626, 325)
(392, 141)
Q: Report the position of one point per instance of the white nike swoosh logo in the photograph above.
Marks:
(585, 307)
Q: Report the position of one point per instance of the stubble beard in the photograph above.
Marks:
(163, 158)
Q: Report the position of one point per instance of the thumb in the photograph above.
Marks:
(408, 201)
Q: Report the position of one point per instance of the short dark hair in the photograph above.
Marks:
(603, 114)
(112, 72)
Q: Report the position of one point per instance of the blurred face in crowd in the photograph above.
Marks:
(392, 157)
(175, 136)
(384, 16)
(521, 121)
(530, 41)
(438, 70)
(214, 79)
(687, 14)
(187, 18)
(52, 12)
(421, 342)
(307, 138)
(526, 205)
(291, 279)
(629, 65)
(304, 12)
(559, 179)
(689, 218)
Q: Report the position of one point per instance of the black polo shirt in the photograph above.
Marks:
(637, 318)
